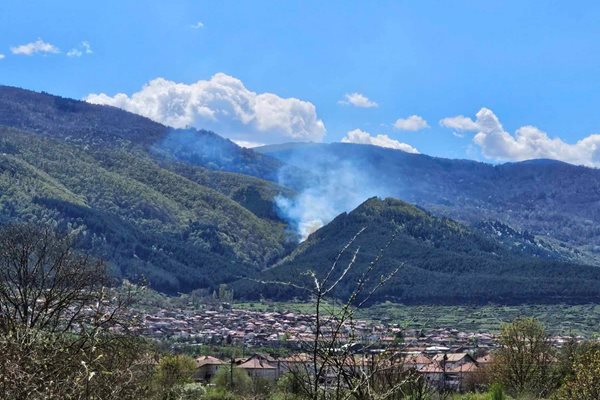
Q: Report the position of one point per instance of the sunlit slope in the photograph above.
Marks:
(148, 220)
(439, 261)
(544, 197)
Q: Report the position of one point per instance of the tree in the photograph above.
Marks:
(64, 334)
(232, 379)
(225, 294)
(332, 368)
(584, 383)
(46, 285)
(173, 372)
(522, 364)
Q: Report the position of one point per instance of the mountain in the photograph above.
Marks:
(543, 197)
(187, 209)
(104, 126)
(178, 220)
(439, 261)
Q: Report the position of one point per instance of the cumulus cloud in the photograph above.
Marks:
(528, 142)
(225, 105)
(83, 48)
(361, 137)
(197, 25)
(459, 123)
(39, 46)
(358, 100)
(412, 123)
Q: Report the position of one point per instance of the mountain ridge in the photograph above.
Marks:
(546, 198)
(440, 261)
(101, 125)
(179, 224)
(188, 209)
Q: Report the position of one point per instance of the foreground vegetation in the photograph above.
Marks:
(67, 333)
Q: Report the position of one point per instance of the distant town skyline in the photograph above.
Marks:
(494, 81)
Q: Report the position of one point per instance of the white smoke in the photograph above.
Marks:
(335, 186)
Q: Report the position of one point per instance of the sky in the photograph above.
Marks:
(486, 80)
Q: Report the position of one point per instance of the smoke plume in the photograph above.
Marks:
(328, 187)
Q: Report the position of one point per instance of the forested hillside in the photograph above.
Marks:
(438, 260)
(187, 209)
(544, 197)
(94, 125)
(106, 174)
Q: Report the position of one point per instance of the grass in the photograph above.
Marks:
(563, 319)
(265, 306)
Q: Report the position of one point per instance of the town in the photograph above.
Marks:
(445, 357)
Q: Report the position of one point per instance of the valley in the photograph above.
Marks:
(299, 200)
(187, 209)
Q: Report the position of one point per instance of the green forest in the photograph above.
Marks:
(186, 209)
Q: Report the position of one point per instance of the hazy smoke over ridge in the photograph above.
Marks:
(326, 182)
(331, 186)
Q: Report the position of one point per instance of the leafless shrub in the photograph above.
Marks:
(332, 367)
(64, 332)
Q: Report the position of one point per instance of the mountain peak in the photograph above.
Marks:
(378, 206)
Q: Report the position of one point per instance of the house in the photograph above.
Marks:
(258, 367)
(207, 367)
(434, 374)
(416, 361)
(451, 370)
(297, 363)
(453, 360)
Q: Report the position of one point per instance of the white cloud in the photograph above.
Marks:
(358, 100)
(39, 46)
(86, 47)
(225, 105)
(459, 123)
(361, 137)
(197, 25)
(2, 56)
(528, 142)
(83, 48)
(412, 123)
(74, 53)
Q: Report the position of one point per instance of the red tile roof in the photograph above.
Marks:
(208, 360)
(255, 363)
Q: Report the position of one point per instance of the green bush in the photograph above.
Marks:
(496, 392)
(173, 373)
(220, 394)
(584, 384)
(236, 381)
(192, 391)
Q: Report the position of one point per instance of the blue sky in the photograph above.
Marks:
(522, 73)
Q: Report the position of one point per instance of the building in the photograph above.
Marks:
(450, 370)
(207, 367)
(258, 367)
(417, 361)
